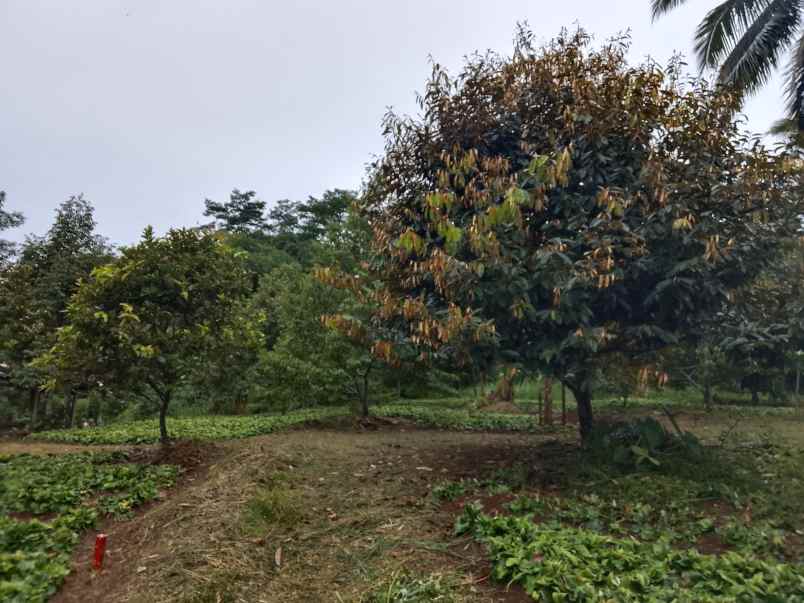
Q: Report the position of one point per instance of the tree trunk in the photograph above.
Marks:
(798, 383)
(36, 395)
(563, 404)
(755, 396)
(363, 391)
(163, 408)
(540, 409)
(548, 401)
(364, 407)
(707, 394)
(641, 387)
(582, 390)
(43, 402)
(70, 418)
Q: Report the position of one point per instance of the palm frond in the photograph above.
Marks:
(756, 54)
(795, 85)
(722, 27)
(783, 127)
(662, 7)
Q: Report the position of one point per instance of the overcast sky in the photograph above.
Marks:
(149, 106)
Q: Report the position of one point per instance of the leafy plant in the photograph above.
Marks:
(34, 554)
(448, 491)
(640, 443)
(556, 563)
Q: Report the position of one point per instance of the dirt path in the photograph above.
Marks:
(305, 516)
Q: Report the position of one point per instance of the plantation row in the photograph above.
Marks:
(726, 530)
(78, 489)
(234, 427)
(585, 565)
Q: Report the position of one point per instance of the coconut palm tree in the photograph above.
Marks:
(746, 39)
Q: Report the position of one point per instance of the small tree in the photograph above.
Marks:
(309, 363)
(157, 318)
(571, 204)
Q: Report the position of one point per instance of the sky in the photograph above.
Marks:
(148, 107)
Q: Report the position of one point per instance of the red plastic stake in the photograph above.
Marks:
(100, 551)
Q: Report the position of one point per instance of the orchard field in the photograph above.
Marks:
(551, 350)
(412, 506)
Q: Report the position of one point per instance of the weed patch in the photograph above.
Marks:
(716, 530)
(270, 508)
(405, 588)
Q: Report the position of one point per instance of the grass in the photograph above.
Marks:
(217, 588)
(441, 413)
(368, 516)
(271, 507)
(529, 391)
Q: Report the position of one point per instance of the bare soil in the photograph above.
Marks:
(15, 446)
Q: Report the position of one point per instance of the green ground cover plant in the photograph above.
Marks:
(193, 428)
(726, 528)
(465, 420)
(561, 563)
(66, 495)
(223, 427)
